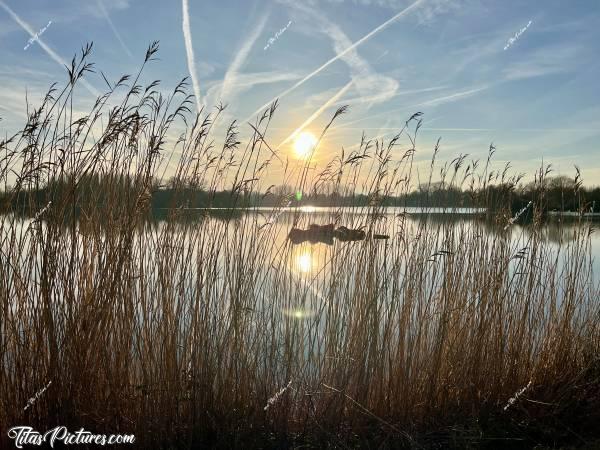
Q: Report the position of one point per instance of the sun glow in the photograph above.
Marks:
(304, 144)
(304, 262)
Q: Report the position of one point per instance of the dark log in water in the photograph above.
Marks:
(326, 233)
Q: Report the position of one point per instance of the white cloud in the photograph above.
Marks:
(545, 61)
(205, 68)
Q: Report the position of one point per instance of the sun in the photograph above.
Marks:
(304, 144)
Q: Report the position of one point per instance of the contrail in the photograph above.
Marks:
(367, 80)
(229, 87)
(240, 58)
(113, 28)
(435, 101)
(189, 50)
(338, 56)
(318, 112)
(47, 49)
(364, 99)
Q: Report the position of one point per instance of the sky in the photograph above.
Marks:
(522, 75)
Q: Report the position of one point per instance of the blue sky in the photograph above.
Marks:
(538, 99)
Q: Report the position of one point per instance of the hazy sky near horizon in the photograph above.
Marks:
(521, 74)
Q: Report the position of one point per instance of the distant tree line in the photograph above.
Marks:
(555, 194)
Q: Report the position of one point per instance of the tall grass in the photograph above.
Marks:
(204, 332)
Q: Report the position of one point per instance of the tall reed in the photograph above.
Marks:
(189, 333)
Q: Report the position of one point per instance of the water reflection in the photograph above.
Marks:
(304, 262)
(298, 313)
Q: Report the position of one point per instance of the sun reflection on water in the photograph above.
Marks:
(304, 262)
(298, 313)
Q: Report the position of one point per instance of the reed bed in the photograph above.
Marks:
(203, 333)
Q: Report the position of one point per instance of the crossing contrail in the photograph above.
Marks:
(338, 56)
(47, 49)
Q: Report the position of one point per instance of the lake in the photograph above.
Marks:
(215, 312)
